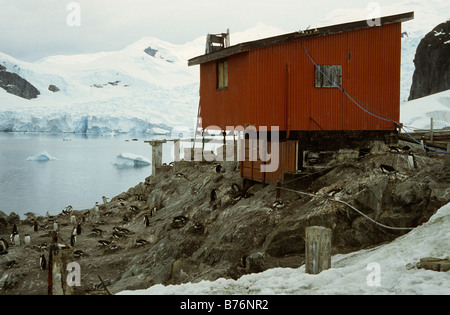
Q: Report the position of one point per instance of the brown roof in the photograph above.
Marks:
(323, 31)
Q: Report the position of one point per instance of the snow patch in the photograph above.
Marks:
(349, 273)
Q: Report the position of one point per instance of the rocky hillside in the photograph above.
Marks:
(432, 61)
(205, 225)
(16, 85)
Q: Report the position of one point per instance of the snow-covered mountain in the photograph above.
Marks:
(147, 87)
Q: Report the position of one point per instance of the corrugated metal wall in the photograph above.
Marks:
(274, 86)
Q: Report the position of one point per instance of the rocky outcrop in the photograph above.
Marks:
(193, 237)
(432, 61)
(15, 84)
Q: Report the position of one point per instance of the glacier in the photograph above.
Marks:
(147, 87)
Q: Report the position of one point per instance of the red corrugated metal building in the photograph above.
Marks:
(275, 82)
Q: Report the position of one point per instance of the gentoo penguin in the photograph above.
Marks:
(395, 149)
(43, 262)
(27, 239)
(146, 221)
(278, 204)
(105, 200)
(104, 243)
(73, 220)
(78, 253)
(153, 211)
(17, 240)
(73, 240)
(79, 229)
(387, 169)
(36, 226)
(15, 231)
(213, 195)
(55, 226)
(4, 244)
(141, 242)
(412, 163)
(96, 207)
(10, 264)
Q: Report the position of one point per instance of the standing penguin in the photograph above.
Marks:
(213, 195)
(73, 220)
(55, 226)
(15, 231)
(73, 239)
(96, 209)
(105, 200)
(43, 262)
(36, 226)
(79, 229)
(146, 221)
(27, 239)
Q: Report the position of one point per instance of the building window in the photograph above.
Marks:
(222, 74)
(328, 76)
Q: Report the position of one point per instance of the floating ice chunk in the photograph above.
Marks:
(131, 160)
(42, 157)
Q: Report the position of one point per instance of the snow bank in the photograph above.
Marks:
(418, 113)
(349, 274)
(42, 157)
(131, 160)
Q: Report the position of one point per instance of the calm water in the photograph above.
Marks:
(85, 169)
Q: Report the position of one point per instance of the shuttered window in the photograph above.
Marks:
(327, 73)
(222, 74)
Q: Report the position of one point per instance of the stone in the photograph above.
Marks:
(53, 88)
(435, 264)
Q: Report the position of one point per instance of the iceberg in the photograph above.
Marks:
(42, 157)
(131, 160)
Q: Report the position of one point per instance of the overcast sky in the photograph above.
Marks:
(32, 29)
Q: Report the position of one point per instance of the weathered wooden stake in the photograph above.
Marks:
(447, 158)
(278, 196)
(318, 249)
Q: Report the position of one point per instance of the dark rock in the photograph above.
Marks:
(53, 88)
(432, 61)
(150, 51)
(435, 264)
(13, 218)
(15, 84)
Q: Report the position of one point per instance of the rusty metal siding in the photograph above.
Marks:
(274, 86)
(224, 107)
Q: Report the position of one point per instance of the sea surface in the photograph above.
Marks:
(81, 170)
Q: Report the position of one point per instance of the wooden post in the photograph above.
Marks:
(431, 130)
(318, 249)
(278, 196)
(447, 158)
(57, 272)
(157, 146)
